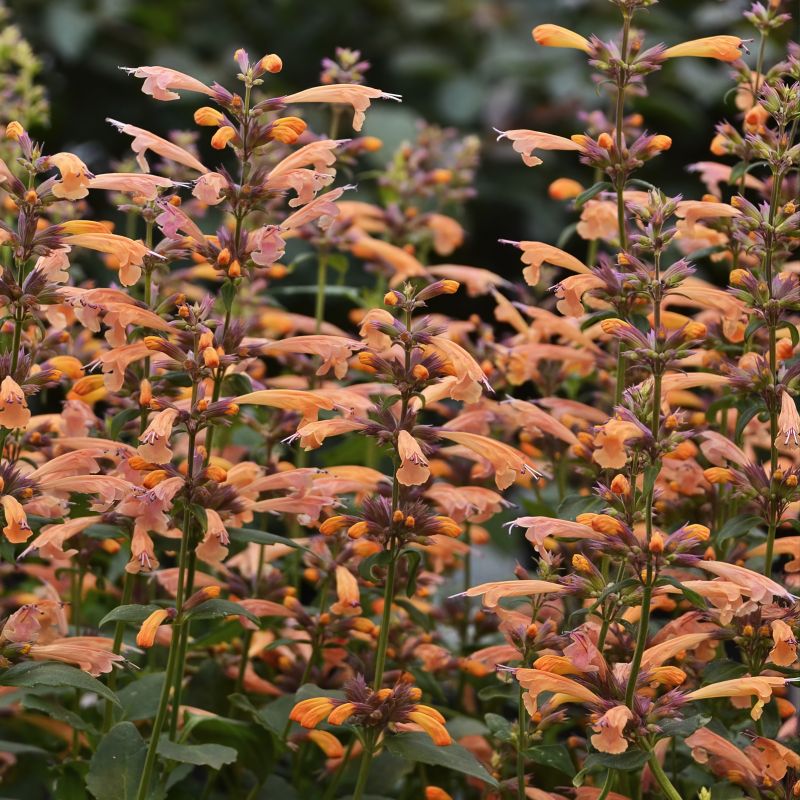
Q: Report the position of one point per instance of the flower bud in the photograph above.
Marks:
(14, 130)
(621, 485)
(605, 141)
(271, 63)
(221, 138)
(209, 117)
(206, 593)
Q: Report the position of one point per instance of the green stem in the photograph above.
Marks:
(606, 785)
(116, 648)
(383, 637)
(661, 778)
(522, 743)
(363, 770)
(161, 715)
(322, 283)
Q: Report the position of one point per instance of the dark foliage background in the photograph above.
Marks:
(466, 63)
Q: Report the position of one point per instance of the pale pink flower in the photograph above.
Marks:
(539, 529)
(359, 97)
(213, 549)
(208, 188)
(759, 587)
(160, 81)
(172, 219)
(609, 728)
(788, 420)
(16, 529)
(694, 210)
(92, 654)
(313, 434)
(571, 290)
(495, 591)
(333, 350)
(51, 538)
(535, 254)
(404, 264)
(114, 362)
(128, 253)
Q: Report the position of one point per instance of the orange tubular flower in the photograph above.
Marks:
(723, 48)
(432, 722)
(159, 81)
(147, 632)
(309, 713)
(549, 35)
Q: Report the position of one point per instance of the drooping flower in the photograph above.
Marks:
(748, 686)
(788, 420)
(609, 728)
(144, 140)
(413, 464)
(14, 412)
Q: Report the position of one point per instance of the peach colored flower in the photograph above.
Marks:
(535, 254)
(759, 587)
(307, 404)
(788, 420)
(155, 439)
(571, 290)
(476, 280)
(404, 264)
(128, 253)
(51, 538)
(75, 176)
(508, 463)
(160, 81)
(694, 210)
(333, 350)
(549, 35)
(712, 174)
(784, 651)
(495, 591)
(747, 686)
(370, 330)
(470, 378)
(413, 464)
(131, 182)
(313, 434)
(609, 728)
(525, 142)
(208, 188)
(92, 654)
(447, 233)
(565, 690)
(16, 529)
(611, 451)
(114, 362)
(723, 48)
(539, 529)
(348, 602)
(144, 140)
(14, 412)
(359, 97)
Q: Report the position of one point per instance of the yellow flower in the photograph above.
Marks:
(555, 36)
(723, 48)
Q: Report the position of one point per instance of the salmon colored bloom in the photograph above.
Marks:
(308, 404)
(784, 652)
(359, 97)
(155, 439)
(92, 654)
(535, 254)
(16, 529)
(495, 591)
(14, 412)
(565, 690)
(128, 253)
(413, 469)
(75, 177)
(328, 743)
(160, 81)
(549, 35)
(132, 182)
(333, 350)
(788, 420)
(759, 587)
(508, 463)
(609, 728)
(723, 48)
(610, 442)
(470, 378)
(313, 434)
(348, 602)
(404, 264)
(525, 142)
(748, 686)
(447, 233)
(144, 140)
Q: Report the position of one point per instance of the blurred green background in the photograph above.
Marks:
(466, 63)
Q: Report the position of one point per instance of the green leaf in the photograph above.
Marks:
(419, 747)
(499, 727)
(592, 191)
(722, 669)
(133, 613)
(261, 537)
(55, 711)
(221, 608)
(119, 421)
(140, 698)
(574, 505)
(20, 748)
(28, 674)
(414, 559)
(746, 413)
(366, 569)
(236, 384)
(201, 755)
(738, 526)
(552, 755)
(117, 764)
(683, 727)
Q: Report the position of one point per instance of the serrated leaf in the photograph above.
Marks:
(28, 674)
(420, 748)
(201, 755)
